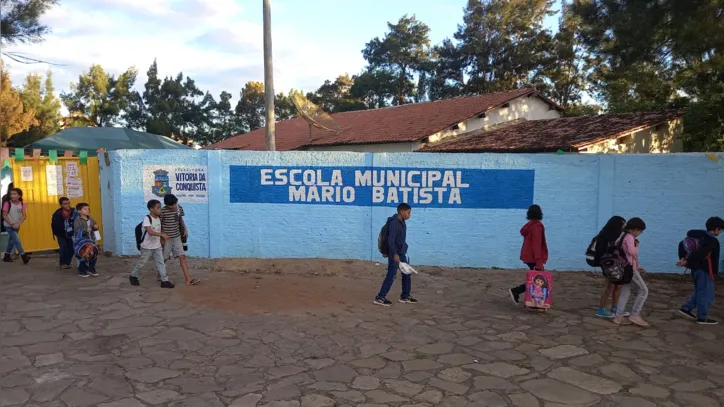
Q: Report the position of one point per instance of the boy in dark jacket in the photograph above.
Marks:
(397, 252)
(62, 225)
(704, 264)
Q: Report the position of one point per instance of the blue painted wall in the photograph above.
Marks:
(671, 192)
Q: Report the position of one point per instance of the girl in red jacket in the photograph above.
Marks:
(534, 252)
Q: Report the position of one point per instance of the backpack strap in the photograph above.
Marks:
(143, 237)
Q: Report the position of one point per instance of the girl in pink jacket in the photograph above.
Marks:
(634, 228)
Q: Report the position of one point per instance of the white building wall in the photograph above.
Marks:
(524, 107)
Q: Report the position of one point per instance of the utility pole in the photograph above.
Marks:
(271, 144)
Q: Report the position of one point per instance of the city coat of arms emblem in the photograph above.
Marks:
(161, 183)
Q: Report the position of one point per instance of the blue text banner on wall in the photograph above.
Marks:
(383, 186)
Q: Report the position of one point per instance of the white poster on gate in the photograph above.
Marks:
(54, 180)
(188, 183)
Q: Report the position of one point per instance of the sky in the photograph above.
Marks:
(219, 43)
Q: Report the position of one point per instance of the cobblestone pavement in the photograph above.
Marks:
(66, 341)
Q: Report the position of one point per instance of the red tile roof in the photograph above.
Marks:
(567, 133)
(397, 124)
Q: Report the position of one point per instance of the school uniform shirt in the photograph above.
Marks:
(151, 242)
(15, 212)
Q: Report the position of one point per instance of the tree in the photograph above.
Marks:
(565, 76)
(38, 94)
(401, 53)
(250, 108)
(650, 52)
(99, 99)
(336, 97)
(502, 44)
(20, 20)
(283, 107)
(14, 117)
(373, 88)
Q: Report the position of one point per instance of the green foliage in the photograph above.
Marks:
(401, 53)
(629, 55)
(20, 20)
(649, 53)
(38, 94)
(99, 98)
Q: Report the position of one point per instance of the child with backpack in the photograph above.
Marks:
(84, 244)
(14, 214)
(700, 253)
(392, 243)
(148, 241)
(628, 250)
(600, 245)
(534, 252)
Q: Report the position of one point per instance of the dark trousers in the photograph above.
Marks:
(703, 295)
(392, 267)
(85, 265)
(65, 244)
(518, 290)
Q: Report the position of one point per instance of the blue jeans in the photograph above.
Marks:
(392, 267)
(14, 242)
(703, 293)
(65, 244)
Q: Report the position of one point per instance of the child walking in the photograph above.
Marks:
(151, 245)
(173, 225)
(634, 228)
(600, 245)
(14, 214)
(397, 251)
(62, 225)
(85, 248)
(704, 265)
(534, 252)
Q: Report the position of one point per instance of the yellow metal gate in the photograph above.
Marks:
(43, 184)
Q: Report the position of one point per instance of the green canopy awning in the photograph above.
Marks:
(109, 138)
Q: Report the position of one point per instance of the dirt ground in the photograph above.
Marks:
(292, 286)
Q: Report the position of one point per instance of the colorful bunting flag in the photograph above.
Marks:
(53, 156)
(36, 154)
(7, 164)
(83, 157)
(4, 154)
(19, 155)
(68, 153)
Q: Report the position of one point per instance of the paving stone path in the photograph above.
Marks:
(66, 341)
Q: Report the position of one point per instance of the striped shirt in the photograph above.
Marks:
(170, 220)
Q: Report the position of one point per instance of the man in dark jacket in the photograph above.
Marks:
(704, 264)
(397, 252)
(62, 226)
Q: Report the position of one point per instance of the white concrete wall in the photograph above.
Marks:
(524, 107)
(665, 138)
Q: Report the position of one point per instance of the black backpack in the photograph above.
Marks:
(141, 233)
(382, 240)
(591, 255)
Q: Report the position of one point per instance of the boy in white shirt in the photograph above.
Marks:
(151, 245)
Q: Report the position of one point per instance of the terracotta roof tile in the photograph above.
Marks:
(397, 124)
(552, 134)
